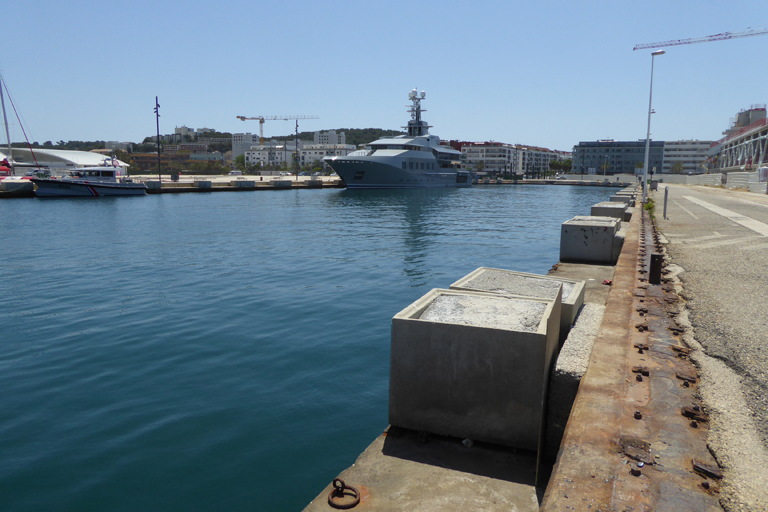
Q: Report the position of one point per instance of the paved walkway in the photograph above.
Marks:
(720, 239)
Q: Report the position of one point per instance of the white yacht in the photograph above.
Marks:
(415, 160)
(89, 181)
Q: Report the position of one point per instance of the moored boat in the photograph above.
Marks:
(89, 181)
(414, 160)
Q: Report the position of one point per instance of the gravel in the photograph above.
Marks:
(488, 311)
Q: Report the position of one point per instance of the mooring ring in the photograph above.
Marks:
(338, 492)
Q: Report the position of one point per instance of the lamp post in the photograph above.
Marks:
(605, 166)
(648, 136)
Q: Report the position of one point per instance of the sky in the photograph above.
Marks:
(548, 74)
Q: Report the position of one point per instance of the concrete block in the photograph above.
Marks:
(609, 209)
(243, 183)
(571, 365)
(588, 239)
(154, 184)
(628, 213)
(16, 185)
(473, 365)
(202, 184)
(314, 183)
(520, 284)
(623, 198)
(281, 183)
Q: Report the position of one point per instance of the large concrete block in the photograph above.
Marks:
(281, 183)
(202, 183)
(243, 183)
(473, 365)
(623, 198)
(520, 284)
(609, 209)
(589, 239)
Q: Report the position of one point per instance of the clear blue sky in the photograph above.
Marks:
(549, 74)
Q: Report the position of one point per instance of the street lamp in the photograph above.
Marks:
(605, 166)
(648, 136)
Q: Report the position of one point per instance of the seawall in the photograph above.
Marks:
(635, 435)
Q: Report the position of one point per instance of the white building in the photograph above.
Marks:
(690, 153)
(496, 157)
(316, 152)
(330, 137)
(531, 159)
(278, 154)
(500, 158)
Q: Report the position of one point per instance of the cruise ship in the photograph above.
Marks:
(415, 160)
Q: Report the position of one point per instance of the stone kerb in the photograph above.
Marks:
(473, 366)
(519, 284)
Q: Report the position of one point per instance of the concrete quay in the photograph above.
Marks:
(635, 439)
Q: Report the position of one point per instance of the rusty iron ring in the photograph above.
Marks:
(338, 492)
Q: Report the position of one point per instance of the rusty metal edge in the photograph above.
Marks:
(582, 477)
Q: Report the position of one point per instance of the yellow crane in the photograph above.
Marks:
(261, 120)
(717, 37)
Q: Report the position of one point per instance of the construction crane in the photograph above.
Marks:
(261, 120)
(717, 37)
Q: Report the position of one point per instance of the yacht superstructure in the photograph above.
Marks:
(414, 160)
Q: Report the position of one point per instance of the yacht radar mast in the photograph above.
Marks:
(416, 127)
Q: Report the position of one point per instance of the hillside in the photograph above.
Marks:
(355, 136)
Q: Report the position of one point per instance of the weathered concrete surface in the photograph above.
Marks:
(586, 239)
(609, 209)
(509, 282)
(402, 470)
(481, 382)
(719, 238)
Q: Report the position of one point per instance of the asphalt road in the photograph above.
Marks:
(720, 239)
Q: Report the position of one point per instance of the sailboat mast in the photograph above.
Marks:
(7, 136)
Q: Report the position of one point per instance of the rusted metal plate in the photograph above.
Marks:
(627, 446)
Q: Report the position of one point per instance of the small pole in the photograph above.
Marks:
(157, 115)
(666, 196)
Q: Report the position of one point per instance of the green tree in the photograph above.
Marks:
(240, 162)
(677, 168)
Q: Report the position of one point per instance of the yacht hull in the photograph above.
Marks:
(359, 173)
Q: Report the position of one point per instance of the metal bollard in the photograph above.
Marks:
(666, 196)
(654, 272)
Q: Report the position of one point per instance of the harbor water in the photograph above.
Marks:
(226, 351)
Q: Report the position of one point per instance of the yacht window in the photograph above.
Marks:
(106, 174)
(422, 166)
(403, 164)
(410, 165)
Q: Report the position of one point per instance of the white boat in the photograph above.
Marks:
(415, 160)
(89, 181)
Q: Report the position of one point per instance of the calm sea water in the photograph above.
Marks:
(225, 351)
